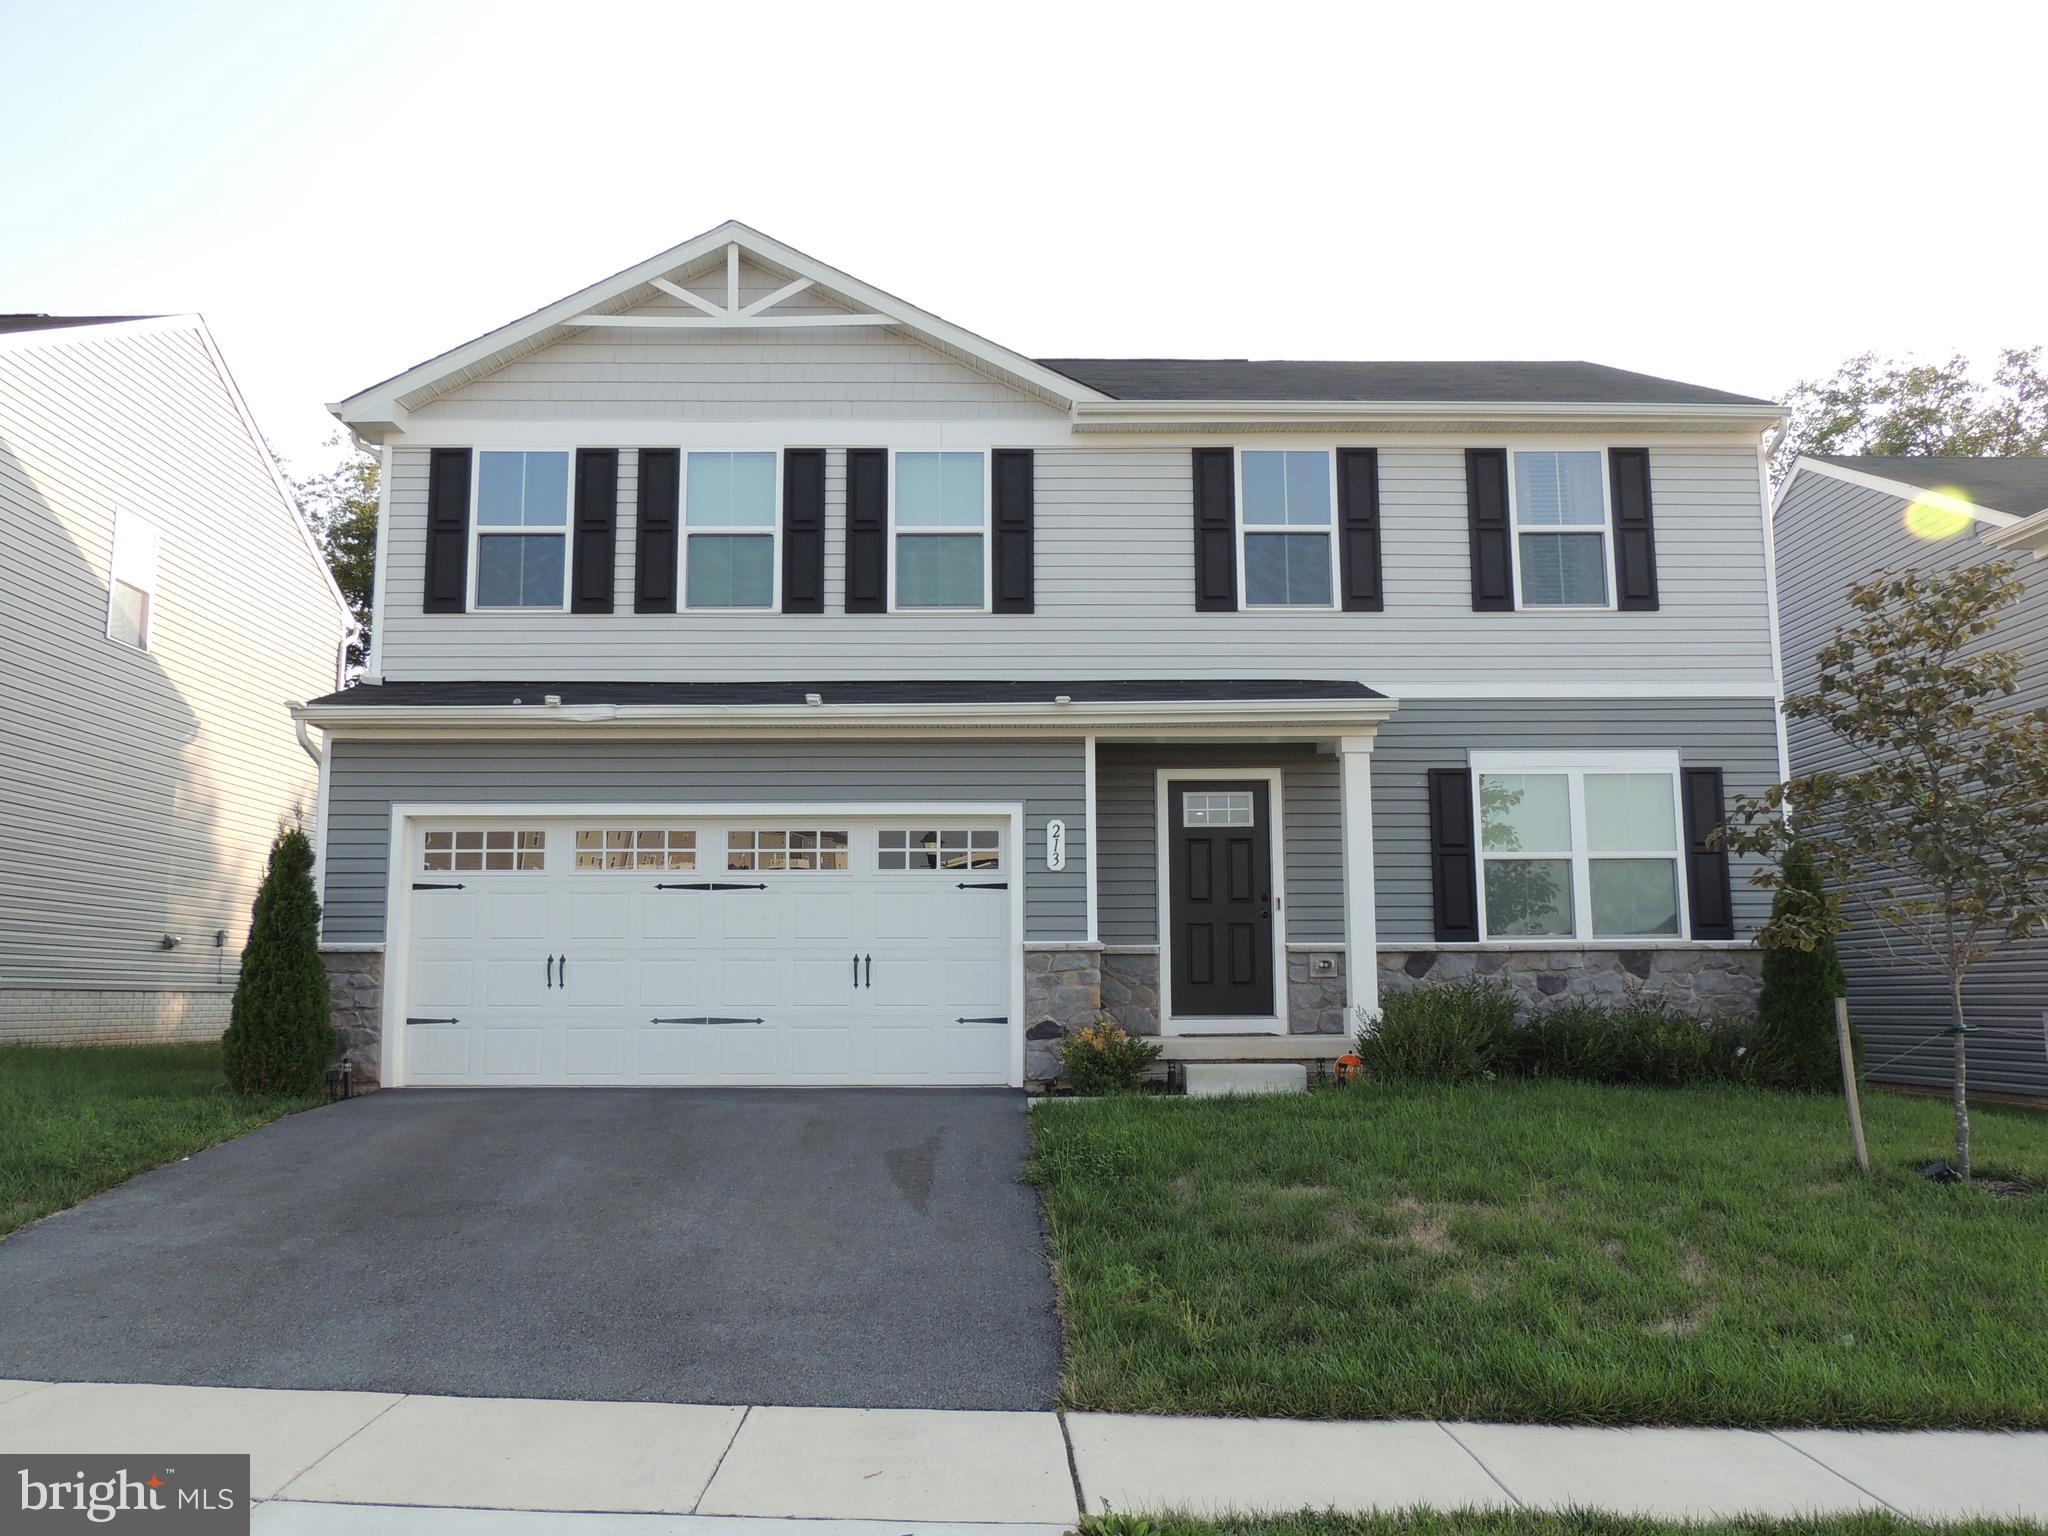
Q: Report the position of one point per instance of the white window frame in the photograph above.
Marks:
(686, 532)
(1244, 604)
(987, 529)
(1605, 530)
(137, 542)
(477, 534)
(1575, 766)
(941, 824)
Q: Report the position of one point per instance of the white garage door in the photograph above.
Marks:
(634, 950)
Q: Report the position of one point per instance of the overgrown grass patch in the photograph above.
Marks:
(1545, 1252)
(75, 1120)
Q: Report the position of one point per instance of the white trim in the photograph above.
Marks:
(1575, 688)
(477, 532)
(377, 409)
(928, 530)
(1098, 415)
(1605, 530)
(773, 531)
(1763, 487)
(817, 320)
(1361, 915)
(1244, 529)
(373, 664)
(1276, 1024)
(1574, 767)
(405, 816)
(1088, 802)
(1961, 505)
(2029, 533)
(324, 780)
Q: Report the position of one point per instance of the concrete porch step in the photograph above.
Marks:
(1205, 1080)
(1253, 1047)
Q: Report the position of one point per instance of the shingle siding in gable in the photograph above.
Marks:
(1829, 534)
(1114, 596)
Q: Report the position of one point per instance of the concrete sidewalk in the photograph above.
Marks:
(375, 1464)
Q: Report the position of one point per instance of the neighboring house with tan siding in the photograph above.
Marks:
(777, 683)
(1842, 519)
(162, 605)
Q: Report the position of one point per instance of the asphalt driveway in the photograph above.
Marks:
(844, 1247)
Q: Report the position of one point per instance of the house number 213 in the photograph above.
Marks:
(1055, 845)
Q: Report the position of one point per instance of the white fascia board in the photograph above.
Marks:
(2029, 533)
(1081, 717)
(372, 409)
(1961, 505)
(1265, 415)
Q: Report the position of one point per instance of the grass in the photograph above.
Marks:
(75, 1120)
(1545, 1252)
(1534, 1523)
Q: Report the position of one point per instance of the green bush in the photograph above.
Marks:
(280, 1039)
(1642, 1039)
(1795, 1011)
(1441, 1032)
(1102, 1058)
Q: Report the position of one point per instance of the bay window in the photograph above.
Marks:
(1559, 504)
(940, 536)
(1287, 528)
(1579, 847)
(730, 527)
(521, 529)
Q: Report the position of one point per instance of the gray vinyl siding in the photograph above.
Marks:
(1127, 836)
(1737, 736)
(368, 777)
(139, 790)
(1114, 547)
(1829, 534)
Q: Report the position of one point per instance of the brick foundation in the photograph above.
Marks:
(53, 1016)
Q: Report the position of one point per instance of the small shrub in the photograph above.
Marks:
(280, 1038)
(1441, 1032)
(1795, 1011)
(1643, 1039)
(1103, 1058)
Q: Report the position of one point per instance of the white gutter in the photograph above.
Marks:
(2030, 533)
(299, 724)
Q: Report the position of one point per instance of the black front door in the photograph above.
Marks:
(1220, 908)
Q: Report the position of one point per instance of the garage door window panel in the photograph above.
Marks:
(758, 849)
(485, 850)
(612, 849)
(909, 850)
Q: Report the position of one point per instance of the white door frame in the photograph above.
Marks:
(1276, 1024)
(398, 888)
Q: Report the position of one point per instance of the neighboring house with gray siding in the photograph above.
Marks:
(162, 606)
(774, 682)
(1843, 519)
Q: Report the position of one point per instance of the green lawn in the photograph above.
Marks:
(75, 1120)
(1545, 1252)
(1531, 1523)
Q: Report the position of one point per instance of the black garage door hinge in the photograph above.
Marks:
(712, 885)
(711, 1018)
(984, 885)
(1003, 1020)
(433, 1021)
(429, 885)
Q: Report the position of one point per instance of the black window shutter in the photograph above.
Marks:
(1635, 536)
(867, 530)
(1706, 865)
(1012, 516)
(597, 530)
(1215, 531)
(1486, 510)
(1453, 859)
(1358, 528)
(654, 548)
(447, 583)
(803, 530)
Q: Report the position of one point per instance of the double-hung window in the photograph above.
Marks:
(131, 583)
(1287, 526)
(941, 542)
(730, 530)
(521, 530)
(1579, 847)
(1562, 526)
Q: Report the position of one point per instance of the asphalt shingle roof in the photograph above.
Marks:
(2018, 485)
(1236, 378)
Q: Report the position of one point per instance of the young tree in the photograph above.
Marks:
(1795, 1011)
(280, 1036)
(1895, 406)
(341, 505)
(1943, 833)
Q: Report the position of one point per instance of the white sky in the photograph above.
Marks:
(1737, 196)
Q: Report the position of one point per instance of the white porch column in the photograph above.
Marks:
(1361, 925)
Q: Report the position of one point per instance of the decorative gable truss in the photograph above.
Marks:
(706, 284)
